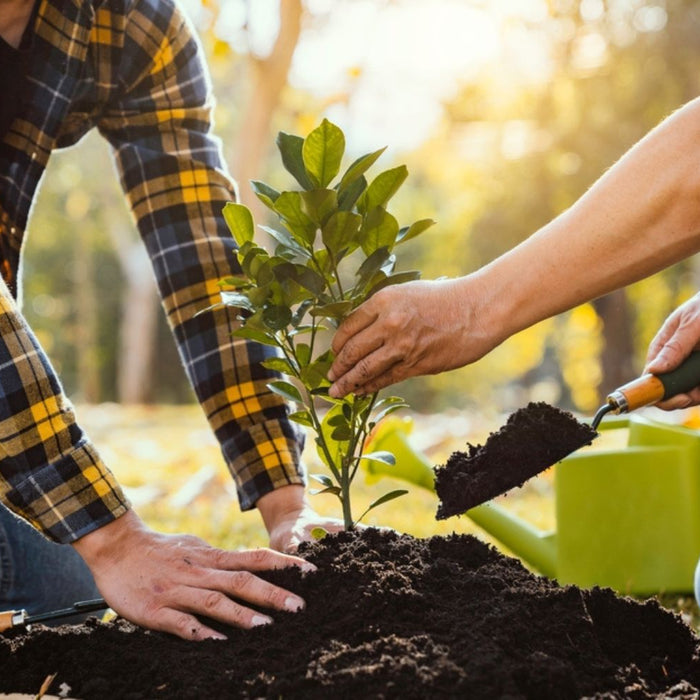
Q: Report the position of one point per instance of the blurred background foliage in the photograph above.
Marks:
(505, 112)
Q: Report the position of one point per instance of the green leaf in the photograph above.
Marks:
(256, 335)
(389, 410)
(278, 364)
(335, 490)
(370, 266)
(383, 499)
(252, 261)
(322, 153)
(298, 317)
(240, 222)
(303, 353)
(379, 231)
(277, 317)
(338, 309)
(266, 194)
(303, 418)
(362, 164)
(415, 229)
(398, 278)
(286, 390)
(319, 205)
(386, 498)
(290, 147)
(336, 448)
(310, 279)
(383, 188)
(380, 456)
(236, 282)
(289, 206)
(315, 375)
(237, 300)
(342, 432)
(340, 232)
(349, 196)
(285, 239)
(322, 479)
(318, 533)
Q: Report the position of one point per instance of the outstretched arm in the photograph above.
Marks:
(638, 218)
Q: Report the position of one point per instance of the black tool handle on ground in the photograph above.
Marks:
(683, 378)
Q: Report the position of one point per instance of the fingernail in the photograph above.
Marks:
(294, 604)
(331, 375)
(308, 567)
(218, 636)
(259, 620)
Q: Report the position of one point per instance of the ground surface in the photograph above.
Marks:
(391, 616)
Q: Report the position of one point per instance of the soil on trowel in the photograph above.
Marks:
(388, 616)
(533, 439)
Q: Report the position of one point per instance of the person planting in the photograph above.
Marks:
(134, 70)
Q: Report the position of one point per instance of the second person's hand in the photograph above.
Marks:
(422, 327)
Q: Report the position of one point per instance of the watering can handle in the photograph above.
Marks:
(652, 388)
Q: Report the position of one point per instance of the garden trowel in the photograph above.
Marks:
(20, 618)
(537, 436)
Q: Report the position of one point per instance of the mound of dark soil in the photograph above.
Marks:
(533, 439)
(388, 616)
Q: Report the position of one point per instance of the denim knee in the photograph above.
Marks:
(38, 575)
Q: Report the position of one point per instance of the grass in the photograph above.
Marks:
(169, 462)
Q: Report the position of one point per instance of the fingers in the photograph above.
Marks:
(356, 322)
(262, 559)
(183, 625)
(358, 361)
(372, 369)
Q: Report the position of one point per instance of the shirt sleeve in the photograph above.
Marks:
(50, 474)
(173, 174)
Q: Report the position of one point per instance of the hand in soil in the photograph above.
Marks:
(417, 328)
(163, 581)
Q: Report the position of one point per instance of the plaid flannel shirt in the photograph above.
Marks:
(133, 69)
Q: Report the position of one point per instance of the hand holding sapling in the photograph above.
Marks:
(335, 249)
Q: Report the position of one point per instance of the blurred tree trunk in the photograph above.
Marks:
(618, 357)
(138, 326)
(86, 324)
(267, 79)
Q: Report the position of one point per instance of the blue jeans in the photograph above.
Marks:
(38, 575)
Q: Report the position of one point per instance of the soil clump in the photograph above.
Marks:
(532, 439)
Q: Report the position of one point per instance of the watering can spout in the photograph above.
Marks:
(527, 542)
(391, 435)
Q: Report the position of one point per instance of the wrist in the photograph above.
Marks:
(280, 504)
(103, 543)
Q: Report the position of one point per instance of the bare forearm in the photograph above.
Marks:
(640, 217)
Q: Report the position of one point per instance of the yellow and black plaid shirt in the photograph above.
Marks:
(133, 69)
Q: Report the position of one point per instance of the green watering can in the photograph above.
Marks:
(626, 518)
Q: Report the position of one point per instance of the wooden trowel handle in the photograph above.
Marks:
(652, 388)
(11, 618)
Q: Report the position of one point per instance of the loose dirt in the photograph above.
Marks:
(388, 616)
(533, 439)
